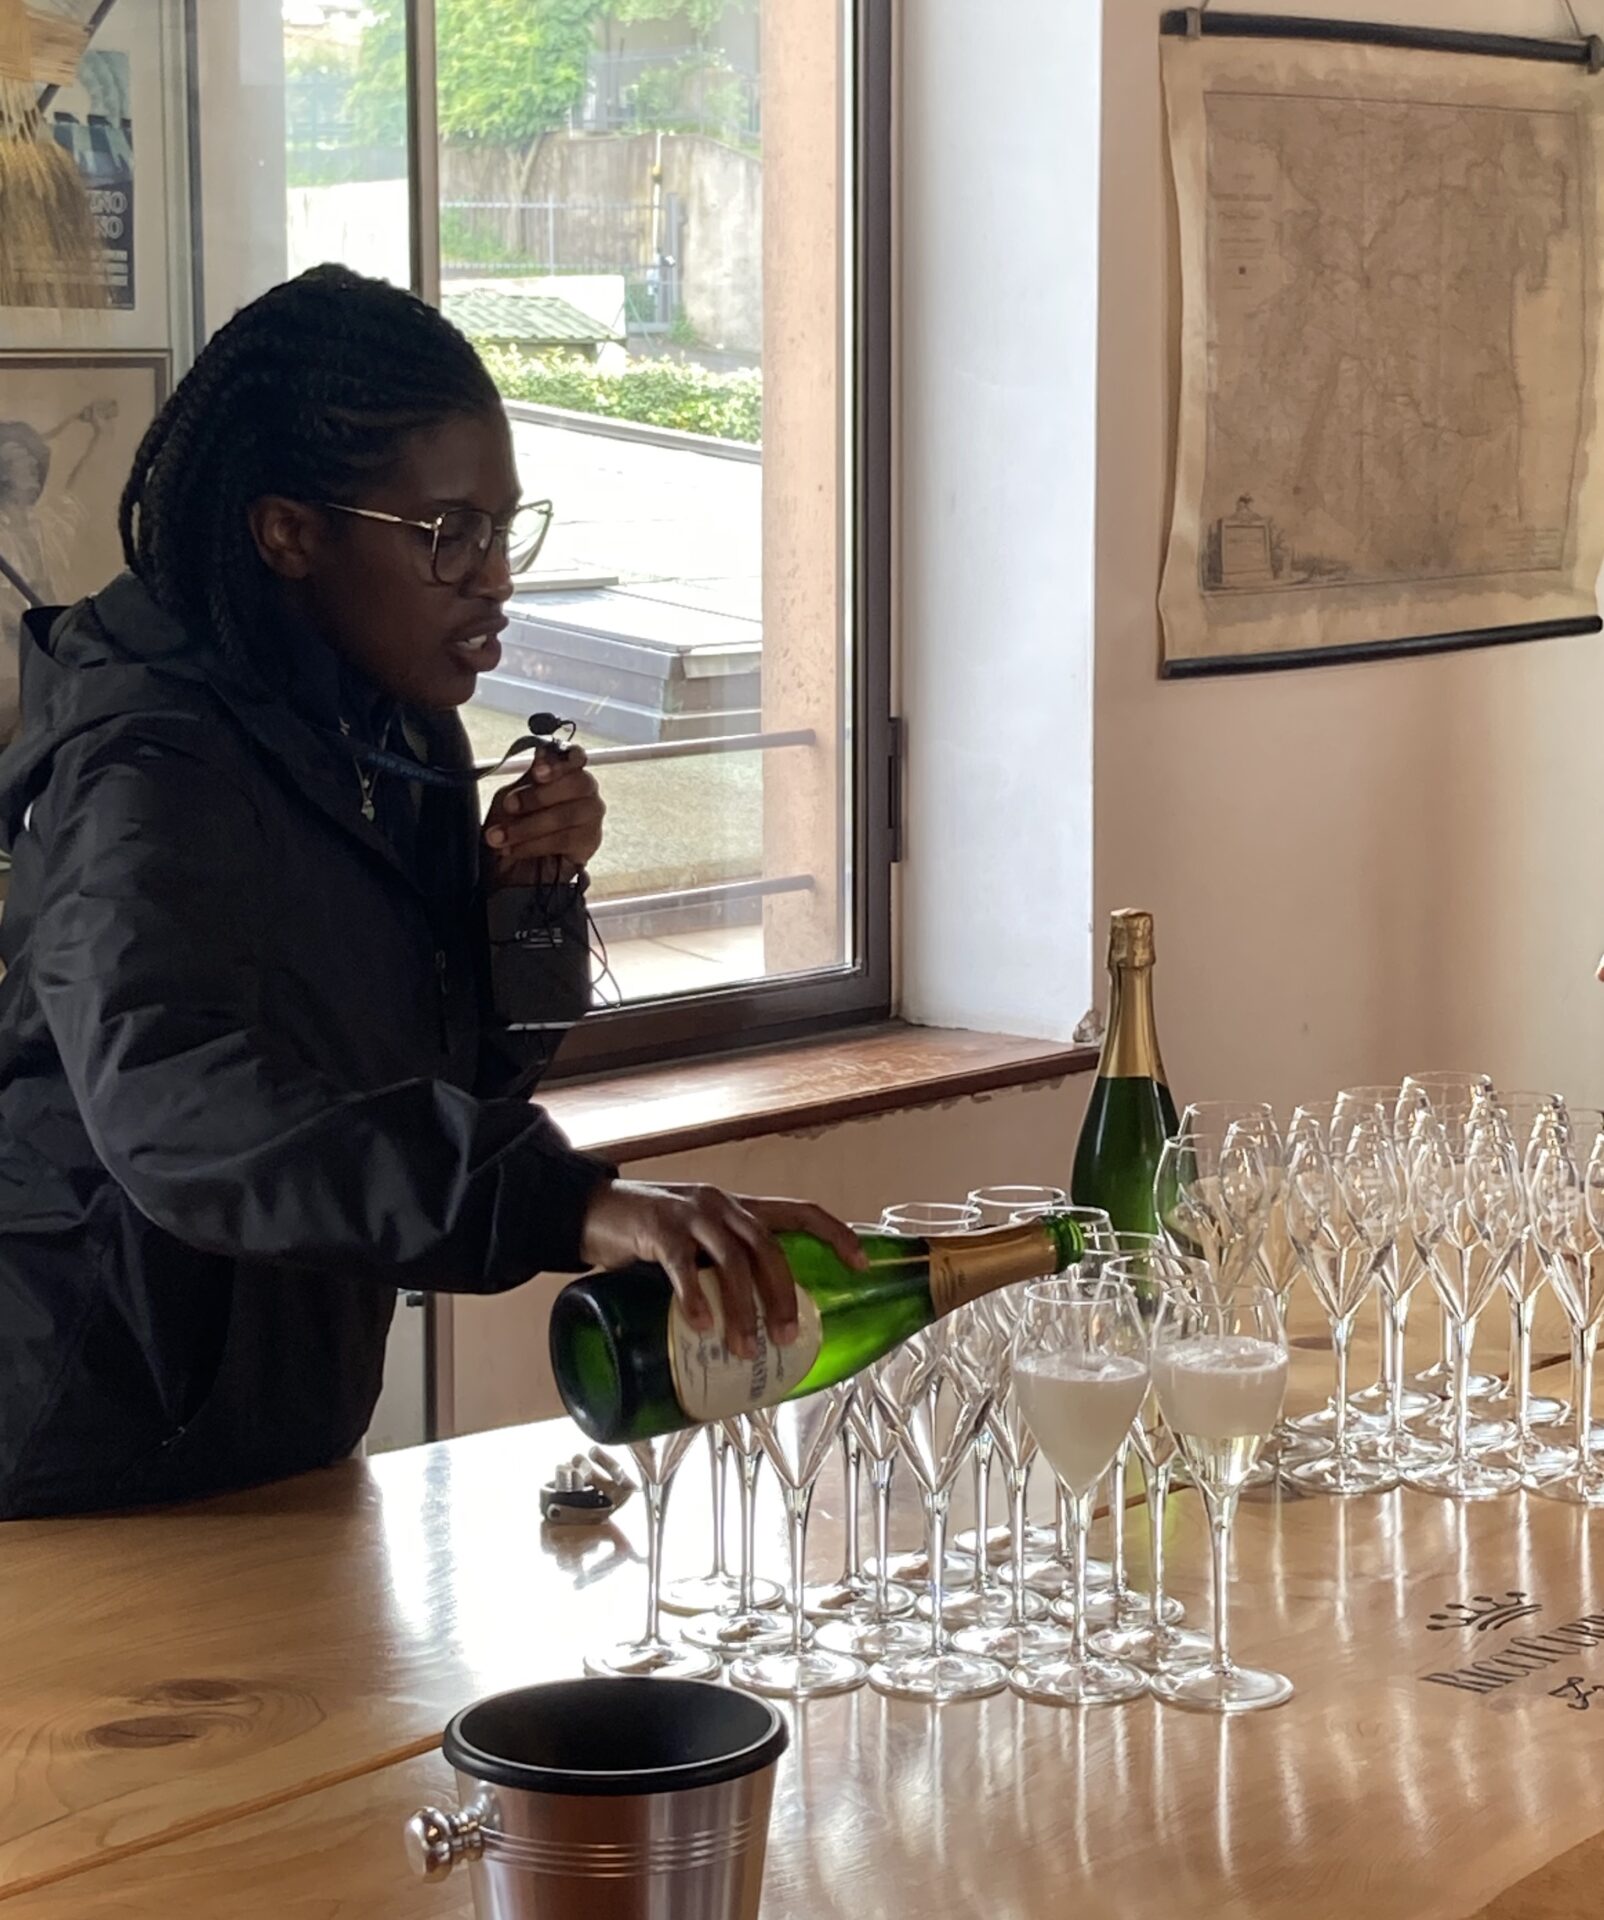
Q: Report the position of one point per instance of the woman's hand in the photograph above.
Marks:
(732, 1238)
(546, 825)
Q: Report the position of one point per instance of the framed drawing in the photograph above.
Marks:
(1392, 285)
(70, 425)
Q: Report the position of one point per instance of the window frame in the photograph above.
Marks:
(766, 1013)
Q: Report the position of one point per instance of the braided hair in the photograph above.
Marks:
(307, 392)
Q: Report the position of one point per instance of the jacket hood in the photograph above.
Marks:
(109, 658)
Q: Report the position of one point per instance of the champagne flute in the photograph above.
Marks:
(743, 1624)
(938, 1411)
(797, 1437)
(1568, 1219)
(1080, 1369)
(851, 1596)
(1450, 1096)
(651, 1656)
(702, 1593)
(1477, 1195)
(1155, 1640)
(1345, 1209)
(929, 1220)
(1532, 1120)
(882, 1629)
(1000, 1207)
(1220, 1368)
(1023, 1632)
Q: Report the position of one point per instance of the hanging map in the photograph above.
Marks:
(1389, 389)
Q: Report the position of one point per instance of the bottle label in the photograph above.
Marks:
(711, 1383)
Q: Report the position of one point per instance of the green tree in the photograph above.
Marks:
(510, 70)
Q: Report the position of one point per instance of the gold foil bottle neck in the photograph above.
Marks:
(1130, 938)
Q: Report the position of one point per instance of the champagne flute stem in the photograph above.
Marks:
(719, 1446)
(747, 1465)
(798, 1501)
(1341, 1330)
(1158, 1493)
(852, 1453)
(1081, 1518)
(1221, 1511)
(880, 1482)
(1586, 1347)
(1464, 1333)
(1116, 1526)
(1398, 1314)
(1389, 1354)
(936, 1505)
(1061, 1521)
(983, 1451)
(1522, 1313)
(656, 1492)
(1019, 1479)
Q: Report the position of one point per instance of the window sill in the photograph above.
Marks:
(793, 1088)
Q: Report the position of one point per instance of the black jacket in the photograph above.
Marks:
(251, 1082)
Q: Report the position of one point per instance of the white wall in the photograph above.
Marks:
(997, 343)
(1356, 870)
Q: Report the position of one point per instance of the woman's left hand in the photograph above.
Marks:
(546, 825)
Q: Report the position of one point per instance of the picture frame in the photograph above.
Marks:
(70, 425)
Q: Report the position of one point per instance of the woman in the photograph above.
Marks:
(253, 1078)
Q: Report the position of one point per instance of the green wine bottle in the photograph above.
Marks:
(1131, 1113)
(629, 1365)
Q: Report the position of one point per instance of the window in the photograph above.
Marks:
(666, 224)
(674, 254)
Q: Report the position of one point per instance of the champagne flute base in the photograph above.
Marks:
(1484, 1432)
(712, 1591)
(913, 1569)
(1543, 1410)
(938, 1677)
(1210, 1689)
(1078, 1683)
(1153, 1648)
(1052, 1577)
(1573, 1485)
(872, 1639)
(1403, 1451)
(999, 1543)
(1537, 1460)
(1322, 1423)
(652, 1660)
(1134, 1610)
(798, 1676)
(855, 1600)
(1012, 1643)
(992, 1608)
(730, 1634)
(1472, 1479)
(1376, 1403)
(1438, 1381)
(1343, 1475)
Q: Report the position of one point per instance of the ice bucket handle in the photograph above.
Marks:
(436, 1841)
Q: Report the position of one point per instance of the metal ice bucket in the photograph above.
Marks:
(608, 1800)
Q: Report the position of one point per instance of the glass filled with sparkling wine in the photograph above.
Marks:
(1080, 1371)
(1220, 1373)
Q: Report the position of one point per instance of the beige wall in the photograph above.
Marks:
(1358, 870)
(932, 1153)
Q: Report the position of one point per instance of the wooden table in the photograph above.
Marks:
(228, 1710)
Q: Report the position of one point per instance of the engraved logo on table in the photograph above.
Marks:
(1520, 1656)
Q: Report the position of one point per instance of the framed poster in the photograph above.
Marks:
(110, 108)
(1391, 425)
(70, 425)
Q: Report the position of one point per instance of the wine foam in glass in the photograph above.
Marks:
(1079, 1406)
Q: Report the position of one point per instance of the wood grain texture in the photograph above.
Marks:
(815, 1083)
(199, 1703)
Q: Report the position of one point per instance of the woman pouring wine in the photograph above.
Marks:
(258, 1069)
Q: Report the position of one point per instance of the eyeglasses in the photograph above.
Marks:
(460, 540)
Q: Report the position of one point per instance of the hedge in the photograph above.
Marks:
(656, 393)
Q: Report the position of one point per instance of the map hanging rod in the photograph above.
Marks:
(1196, 23)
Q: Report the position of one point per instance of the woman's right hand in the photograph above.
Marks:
(693, 1231)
